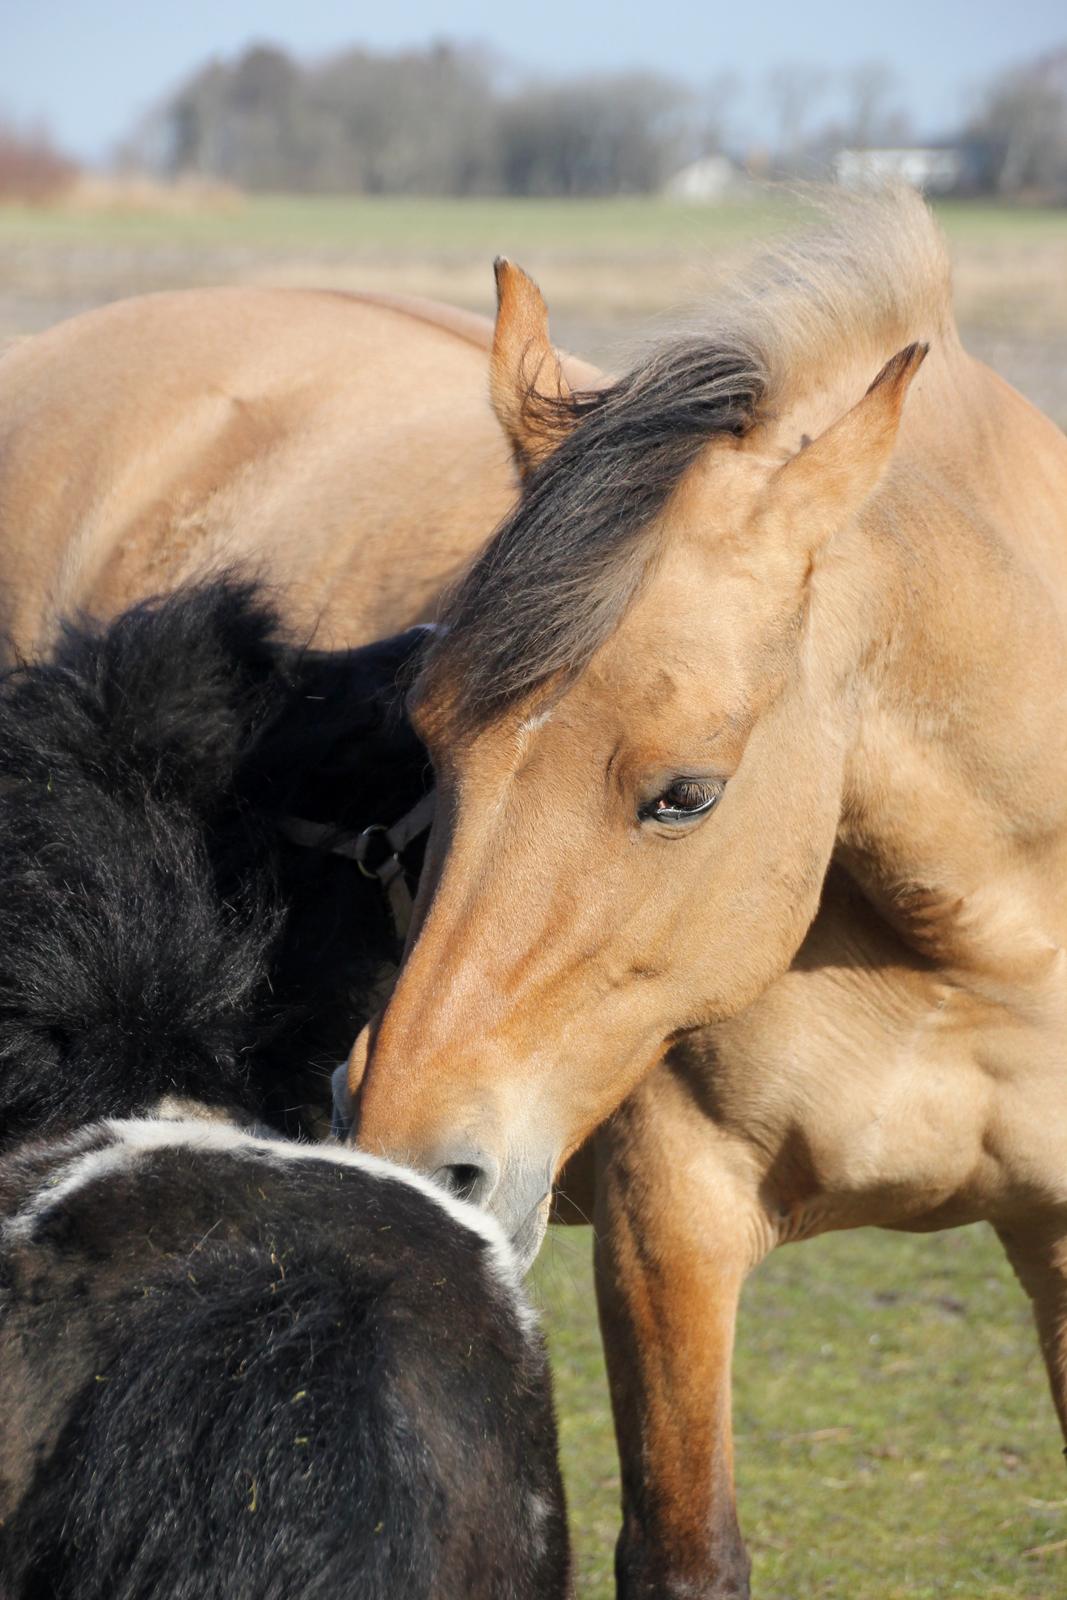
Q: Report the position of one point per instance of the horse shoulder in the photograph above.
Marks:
(866, 1088)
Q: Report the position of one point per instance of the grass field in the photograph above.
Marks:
(895, 1439)
(894, 1434)
(627, 225)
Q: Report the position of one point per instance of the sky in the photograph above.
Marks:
(87, 70)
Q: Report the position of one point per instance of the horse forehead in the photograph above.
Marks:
(686, 649)
(646, 689)
(611, 727)
(719, 491)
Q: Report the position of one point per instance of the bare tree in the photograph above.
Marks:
(1023, 121)
(794, 89)
(714, 112)
(611, 135)
(871, 119)
(430, 121)
(31, 167)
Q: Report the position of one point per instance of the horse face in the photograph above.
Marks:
(632, 850)
(609, 865)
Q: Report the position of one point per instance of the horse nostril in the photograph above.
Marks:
(463, 1181)
(467, 1181)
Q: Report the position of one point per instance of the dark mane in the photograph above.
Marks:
(562, 569)
(871, 277)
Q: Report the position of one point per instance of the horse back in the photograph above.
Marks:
(343, 448)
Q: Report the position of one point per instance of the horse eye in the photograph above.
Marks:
(683, 801)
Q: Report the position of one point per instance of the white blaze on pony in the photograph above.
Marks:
(241, 1365)
(121, 1145)
(779, 887)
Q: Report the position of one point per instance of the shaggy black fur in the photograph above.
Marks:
(261, 1373)
(157, 935)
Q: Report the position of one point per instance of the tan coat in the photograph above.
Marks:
(343, 448)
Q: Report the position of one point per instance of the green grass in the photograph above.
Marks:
(984, 221)
(895, 1438)
(630, 226)
(402, 225)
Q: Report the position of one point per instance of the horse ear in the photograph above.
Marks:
(828, 480)
(526, 383)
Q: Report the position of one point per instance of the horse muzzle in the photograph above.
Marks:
(517, 1194)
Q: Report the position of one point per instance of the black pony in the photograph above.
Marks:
(231, 1365)
(160, 936)
(241, 1369)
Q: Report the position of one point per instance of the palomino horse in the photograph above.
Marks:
(751, 837)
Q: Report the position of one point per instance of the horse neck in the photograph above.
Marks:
(954, 808)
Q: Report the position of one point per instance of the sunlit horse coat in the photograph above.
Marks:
(342, 448)
(750, 730)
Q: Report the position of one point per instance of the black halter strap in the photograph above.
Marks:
(376, 851)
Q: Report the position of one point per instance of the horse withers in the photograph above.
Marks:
(751, 841)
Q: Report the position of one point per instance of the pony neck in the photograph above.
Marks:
(951, 652)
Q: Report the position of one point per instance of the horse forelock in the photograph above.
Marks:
(561, 571)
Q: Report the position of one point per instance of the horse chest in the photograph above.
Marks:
(867, 1093)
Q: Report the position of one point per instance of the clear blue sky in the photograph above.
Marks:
(88, 67)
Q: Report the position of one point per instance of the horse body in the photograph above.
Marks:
(343, 449)
(766, 874)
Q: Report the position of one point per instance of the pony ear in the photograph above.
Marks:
(526, 384)
(828, 481)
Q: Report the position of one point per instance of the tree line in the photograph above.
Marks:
(432, 122)
(447, 120)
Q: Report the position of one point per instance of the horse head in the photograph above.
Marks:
(640, 745)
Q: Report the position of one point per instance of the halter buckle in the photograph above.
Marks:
(373, 869)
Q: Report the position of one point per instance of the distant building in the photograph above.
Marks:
(936, 169)
(704, 181)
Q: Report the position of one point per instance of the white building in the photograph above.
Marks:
(704, 181)
(936, 171)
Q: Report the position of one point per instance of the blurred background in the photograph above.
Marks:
(618, 153)
(894, 1434)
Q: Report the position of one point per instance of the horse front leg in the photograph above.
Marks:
(1038, 1254)
(676, 1236)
